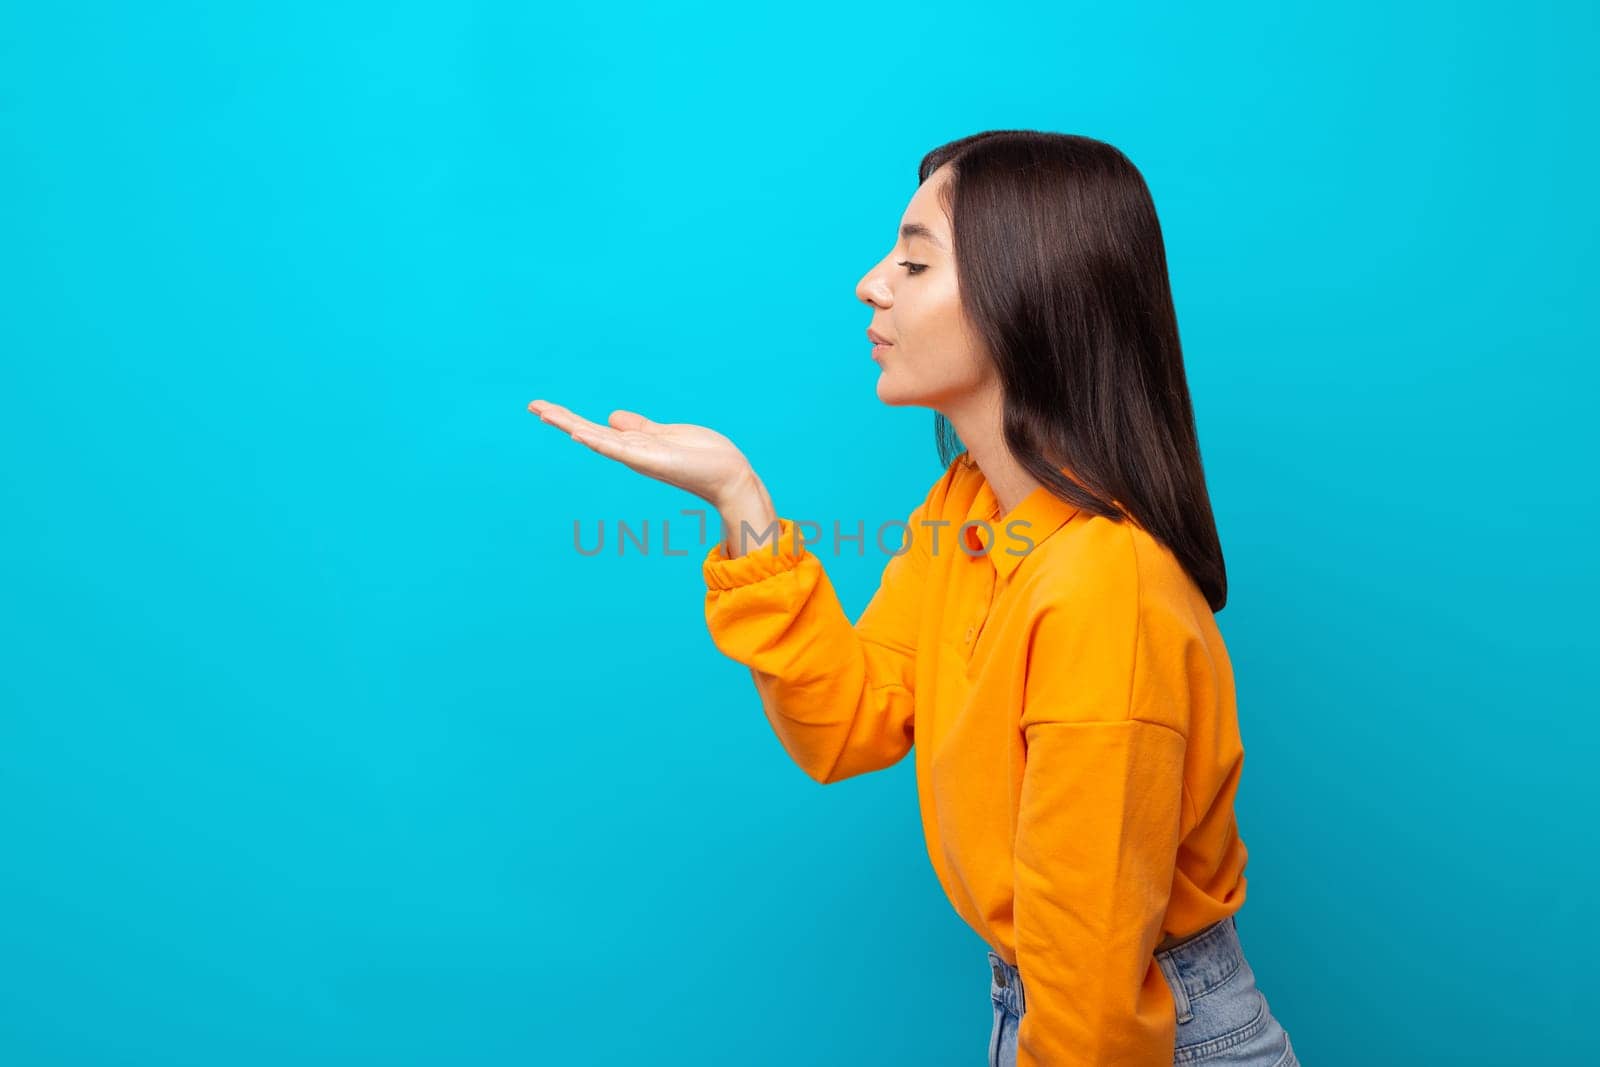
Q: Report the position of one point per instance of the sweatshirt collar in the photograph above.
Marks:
(1022, 530)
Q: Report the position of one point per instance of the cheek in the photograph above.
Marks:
(942, 364)
(928, 315)
(944, 336)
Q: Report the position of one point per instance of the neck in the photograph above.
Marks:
(979, 423)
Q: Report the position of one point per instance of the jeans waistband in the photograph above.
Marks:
(1005, 988)
(1193, 968)
(1197, 966)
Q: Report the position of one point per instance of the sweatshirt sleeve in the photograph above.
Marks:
(839, 695)
(1096, 849)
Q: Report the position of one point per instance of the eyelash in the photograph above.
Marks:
(908, 265)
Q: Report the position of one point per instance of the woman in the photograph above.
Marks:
(1045, 634)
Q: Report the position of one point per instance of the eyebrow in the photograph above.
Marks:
(917, 229)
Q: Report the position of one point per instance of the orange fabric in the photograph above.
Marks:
(1077, 745)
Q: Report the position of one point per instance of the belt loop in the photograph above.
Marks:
(1180, 994)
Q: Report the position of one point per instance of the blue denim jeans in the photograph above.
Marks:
(1222, 1016)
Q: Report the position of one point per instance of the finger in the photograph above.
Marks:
(608, 443)
(564, 419)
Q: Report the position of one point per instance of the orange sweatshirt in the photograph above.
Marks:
(1077, 746)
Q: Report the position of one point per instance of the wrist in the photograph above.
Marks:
(740, 493)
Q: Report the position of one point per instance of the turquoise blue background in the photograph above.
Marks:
(319, 743)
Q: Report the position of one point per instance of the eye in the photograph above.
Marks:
(912, 268)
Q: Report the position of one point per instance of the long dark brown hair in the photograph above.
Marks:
(1063, 275)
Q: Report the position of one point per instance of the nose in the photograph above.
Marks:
(873, 288)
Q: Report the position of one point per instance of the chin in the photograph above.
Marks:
(898, 394)
(890, 393)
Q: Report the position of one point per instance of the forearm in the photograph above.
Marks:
(838, 695)
(841, 704)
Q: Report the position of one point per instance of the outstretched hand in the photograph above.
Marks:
(694, 458)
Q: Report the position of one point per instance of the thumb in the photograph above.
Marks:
(622, 419)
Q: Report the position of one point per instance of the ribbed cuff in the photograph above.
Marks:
(762, 560)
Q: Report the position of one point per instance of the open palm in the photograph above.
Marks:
(695, 458)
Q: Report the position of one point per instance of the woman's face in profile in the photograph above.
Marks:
(932, 360)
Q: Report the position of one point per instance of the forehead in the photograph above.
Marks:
(925, 209)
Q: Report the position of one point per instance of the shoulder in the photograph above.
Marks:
(1094, 560)
(960, 473)
(931, 513)
(1107, 599)
(951, 491)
